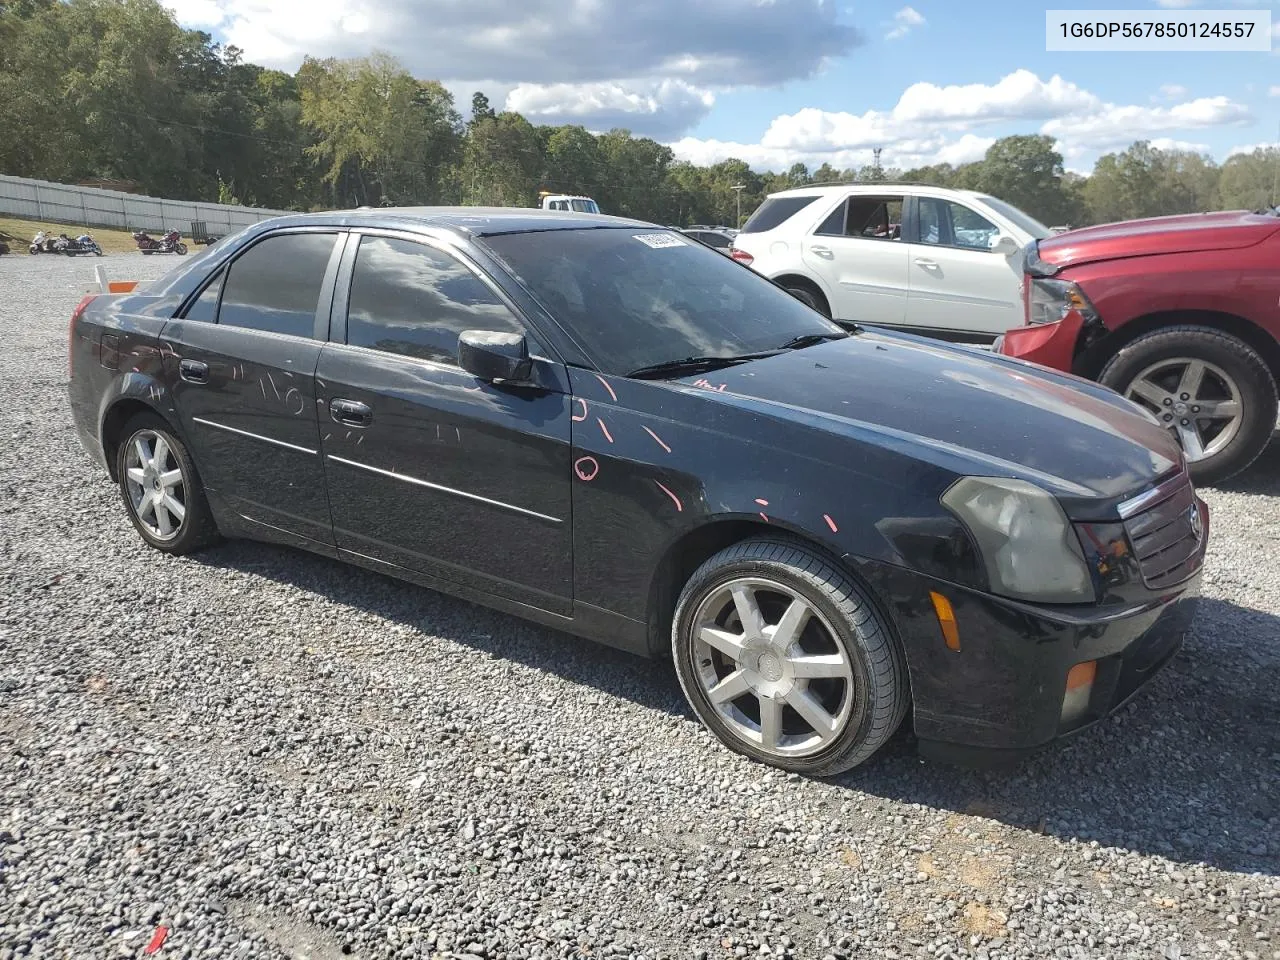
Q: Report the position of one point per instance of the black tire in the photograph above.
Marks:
(1234, 357)
(809, 297)
(879, 676)
(181, 249)
(197, 528)
(147, 253)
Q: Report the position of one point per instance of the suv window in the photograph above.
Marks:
(873, 218)
(948, 224)
(774, 212)
(275, 285)
(414, 300)
(716, 240)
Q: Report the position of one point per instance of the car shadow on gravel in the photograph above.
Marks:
(1190, 770)
(1263, 475)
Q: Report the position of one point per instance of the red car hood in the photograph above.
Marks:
(1135, 238)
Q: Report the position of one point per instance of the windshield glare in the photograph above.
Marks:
(1023, 221)
(635, 298)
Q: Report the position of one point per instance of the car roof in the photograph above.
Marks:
(472, 221)
(827, 189)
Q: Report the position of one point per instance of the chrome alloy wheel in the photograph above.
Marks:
(1195, 399)
(772, 667)
(157, 489)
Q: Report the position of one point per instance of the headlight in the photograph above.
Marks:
(1027, 543)
(1051, 300)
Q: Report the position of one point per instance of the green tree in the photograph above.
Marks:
(1249, 181)
(1027, 172)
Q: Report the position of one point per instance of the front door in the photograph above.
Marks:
(243, 361)
(859, 254)
(958, 283)
(428, 467)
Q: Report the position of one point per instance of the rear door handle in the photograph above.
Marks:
(820, 251)
(352, 413)
(926, 262)
(193, 371)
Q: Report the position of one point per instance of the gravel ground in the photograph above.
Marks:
(269, 754)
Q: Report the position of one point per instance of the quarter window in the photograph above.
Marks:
(205, 307)
(947, 224)
(414, 300)
(275, 286)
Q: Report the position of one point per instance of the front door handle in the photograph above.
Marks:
(193, 371)
(352, 413)
(926, 263)
(821, 251)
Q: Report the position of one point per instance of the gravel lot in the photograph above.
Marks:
(270, 754)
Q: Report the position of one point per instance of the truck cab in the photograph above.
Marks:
(569, 202)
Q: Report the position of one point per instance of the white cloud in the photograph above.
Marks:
(1249, 148)
(200, 14)
(663, 108)
(1274, 92)
(1119, 125)
(904, 21)
(1173, 91)
(1174, 4)
(1167, 143)
(932, 124)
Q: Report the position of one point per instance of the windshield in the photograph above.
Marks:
(1021, 220)
(637, 298)
(585, 206)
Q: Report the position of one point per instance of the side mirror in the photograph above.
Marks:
(1006, 245)
(492, 356)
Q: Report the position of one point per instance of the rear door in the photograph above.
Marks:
(859, 254)
(430, 468)
(958, 283)
(244, 357)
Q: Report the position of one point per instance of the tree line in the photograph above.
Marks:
(116, 89)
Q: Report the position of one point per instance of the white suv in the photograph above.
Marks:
(935, 261)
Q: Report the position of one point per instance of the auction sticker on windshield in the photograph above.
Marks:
(660, 240)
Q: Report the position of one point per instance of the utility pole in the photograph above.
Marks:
(875, 165)
(738, 188)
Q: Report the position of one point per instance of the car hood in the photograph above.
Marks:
(1133, 238)
(960, 408)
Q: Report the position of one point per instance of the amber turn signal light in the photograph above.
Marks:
(946, 620)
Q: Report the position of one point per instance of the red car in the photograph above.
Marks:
(1179, 314)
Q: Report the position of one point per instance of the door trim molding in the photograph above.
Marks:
(476, 498)
(253, 436)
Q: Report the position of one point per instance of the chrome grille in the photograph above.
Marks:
(1166, 535)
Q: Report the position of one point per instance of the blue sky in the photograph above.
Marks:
(780, 81)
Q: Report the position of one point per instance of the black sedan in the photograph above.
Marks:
(608, 428)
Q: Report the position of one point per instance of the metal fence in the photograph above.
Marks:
(92, 207)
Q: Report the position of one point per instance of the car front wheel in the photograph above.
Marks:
(1212, 390)
(786, 659)
(160, 488)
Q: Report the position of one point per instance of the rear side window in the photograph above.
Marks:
(205, 307)
(717, 240)
(275, 286)
(774, 212)
(414, 300)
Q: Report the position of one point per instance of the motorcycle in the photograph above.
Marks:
(82, 244)
(47, 243)
(171, 242)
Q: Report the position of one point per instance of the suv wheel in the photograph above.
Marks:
(785, 659)
(809, 296)
(1213, 391)
(160, 488)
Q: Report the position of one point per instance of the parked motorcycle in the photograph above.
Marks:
(171, 242)
(82, 244)
(47, 243)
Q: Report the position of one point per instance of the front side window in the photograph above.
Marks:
(275, 285)
(948, 224)
(414, 300)
(634, 297)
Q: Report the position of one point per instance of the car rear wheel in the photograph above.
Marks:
(809, 296)
(786, 659)
(161, 490)
(1211, 390)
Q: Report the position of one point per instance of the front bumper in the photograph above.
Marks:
(1001, 695)
(1048, 344)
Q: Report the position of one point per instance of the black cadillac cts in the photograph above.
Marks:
(608, 428)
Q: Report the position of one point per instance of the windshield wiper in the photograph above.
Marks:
(810, 339)
(674, 368)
